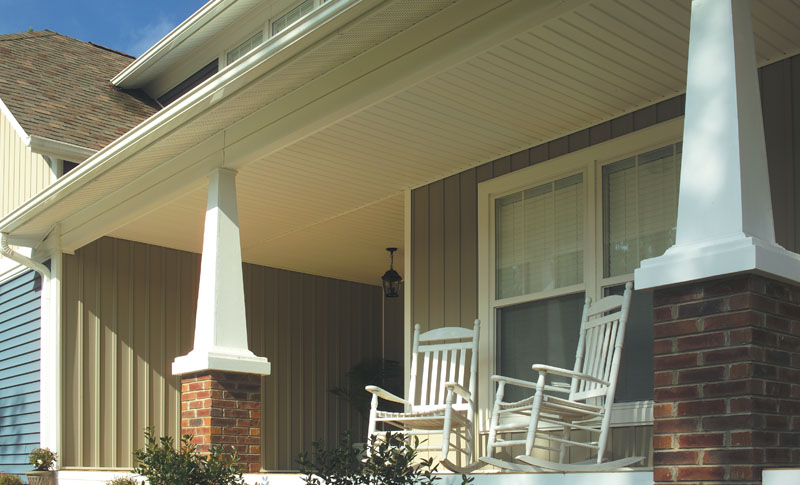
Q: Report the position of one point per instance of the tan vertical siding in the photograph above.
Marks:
(22, 173)
(129, 310)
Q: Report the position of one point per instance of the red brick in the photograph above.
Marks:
(663, 346)
(753, 438)
(740, 370)
(701, 440)
(778, 456)
(702, 341)
(662, 442)
(701, 473)
(703, 374)
(662, 410)
(728, 355)
(675, 458)
(777, 323)
(662, 474)
(678, 425)
(700, 308)
(662, 314)
(672, 329)
(732, 320)
(745, 472)
(739, 456)
(753, 404)
(724, 423)
(729, 388)
(697, 408)
(663, 379)
(676, 361)
(676, 393)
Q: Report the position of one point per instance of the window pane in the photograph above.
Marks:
(540, 332)
(636, 370)
(640, 208)
(539, 238)
(244, 47)
(292, 16)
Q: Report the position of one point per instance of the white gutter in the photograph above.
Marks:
(211, 92)
(172, 40)
(59, 149)
(9, 253)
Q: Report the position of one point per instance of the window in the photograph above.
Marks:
(292, 16)
(569, 228)
(244, 47)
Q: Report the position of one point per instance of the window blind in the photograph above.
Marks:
(539, 238)
(640, 207)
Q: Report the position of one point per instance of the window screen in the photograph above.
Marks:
(244, 47)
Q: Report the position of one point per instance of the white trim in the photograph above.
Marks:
(407, 289)
(59, 149)
(780, 476)
(587, 161)
(14, 123)
(179, 34)
(644, 477)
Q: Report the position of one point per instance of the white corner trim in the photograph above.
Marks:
(229, 360)
(14, 123)
(725, 256)
(50, 389)
(59, 149)
(780, 476)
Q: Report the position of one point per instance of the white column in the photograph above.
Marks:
(220, 333)
(725, 222)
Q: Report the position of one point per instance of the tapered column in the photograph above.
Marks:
(725, 222)
(220, 338)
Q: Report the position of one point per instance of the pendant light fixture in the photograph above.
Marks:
(391, 279)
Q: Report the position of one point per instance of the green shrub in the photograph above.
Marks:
(390, 461)
(122, 481)
(42, 459)
(9, 479)
(162, 464)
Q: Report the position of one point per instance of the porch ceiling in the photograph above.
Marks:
(323, 193)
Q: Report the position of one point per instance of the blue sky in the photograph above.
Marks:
(131, 26)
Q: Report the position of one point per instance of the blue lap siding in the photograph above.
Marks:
(20, 327)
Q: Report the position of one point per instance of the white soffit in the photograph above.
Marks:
(601, 60)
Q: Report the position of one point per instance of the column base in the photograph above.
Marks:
(710, 259)
(228, 360)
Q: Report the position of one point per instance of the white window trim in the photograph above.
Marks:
(588, 161)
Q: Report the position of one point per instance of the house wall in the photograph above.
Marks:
(128, 311)
(444, 248)
(22, 172)
(20, 334)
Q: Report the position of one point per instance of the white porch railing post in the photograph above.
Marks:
(220, 340)
(725, 222)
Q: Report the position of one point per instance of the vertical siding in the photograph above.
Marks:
(435, 216)
(20, 325)
(22, 173)
(128, 311)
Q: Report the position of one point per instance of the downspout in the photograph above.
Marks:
(9, 253)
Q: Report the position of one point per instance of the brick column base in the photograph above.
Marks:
(224, 408)
(727, 379)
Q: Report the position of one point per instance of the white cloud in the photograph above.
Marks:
(147, 35)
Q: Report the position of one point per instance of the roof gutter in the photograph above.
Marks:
(222, 85)
(173, 39)
(9, 253)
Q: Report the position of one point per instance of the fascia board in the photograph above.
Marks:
(59, 149)
(14, 123)
(128, 76)
(213, 91)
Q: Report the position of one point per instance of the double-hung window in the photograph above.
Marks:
(572, 227)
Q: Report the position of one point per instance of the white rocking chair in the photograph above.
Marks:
(584, 403)
(442, 398)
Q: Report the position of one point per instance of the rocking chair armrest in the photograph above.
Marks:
(458, 389)
(548, 369)
(384, 394)
(516, 382)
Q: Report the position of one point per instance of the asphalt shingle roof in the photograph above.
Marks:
(58, 87)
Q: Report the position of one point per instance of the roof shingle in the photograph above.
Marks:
(58, 87)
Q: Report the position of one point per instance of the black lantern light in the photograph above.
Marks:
(391, 279)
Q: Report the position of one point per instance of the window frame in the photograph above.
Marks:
(589, 161)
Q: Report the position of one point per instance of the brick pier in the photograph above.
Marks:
(224, 408)
(727, 379)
